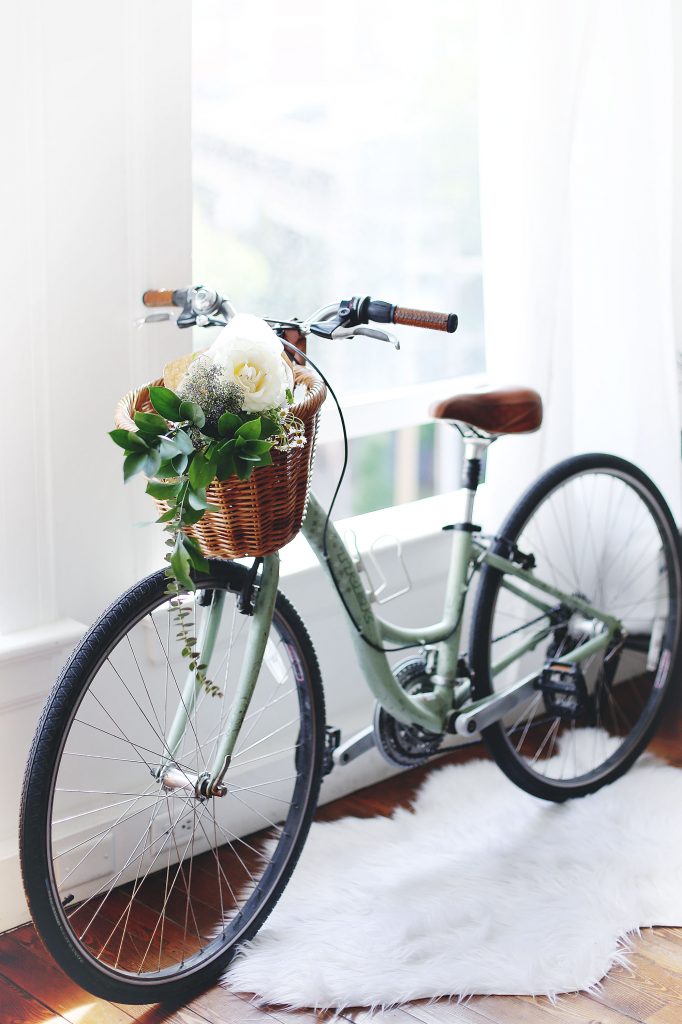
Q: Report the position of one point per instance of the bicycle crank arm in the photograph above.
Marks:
(355, 746)
(491, 709)
(365, 740)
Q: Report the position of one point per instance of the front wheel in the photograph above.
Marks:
(598, 529)
(141, 888)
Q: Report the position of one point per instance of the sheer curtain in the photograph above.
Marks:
(576, 144)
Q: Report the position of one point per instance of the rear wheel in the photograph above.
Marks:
(597, 528)
(143, 890)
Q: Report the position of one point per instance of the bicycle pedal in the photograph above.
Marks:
(564, 689)
(332, 740)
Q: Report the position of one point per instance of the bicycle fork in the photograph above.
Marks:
(210, 782)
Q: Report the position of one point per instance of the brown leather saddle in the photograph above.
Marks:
(494, 411)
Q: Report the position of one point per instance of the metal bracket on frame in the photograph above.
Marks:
(246, 599)
(377, 593)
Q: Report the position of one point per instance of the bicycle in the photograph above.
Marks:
(159, 826)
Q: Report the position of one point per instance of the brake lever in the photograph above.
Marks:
(361, 331)
(154, 318)
(372, 332)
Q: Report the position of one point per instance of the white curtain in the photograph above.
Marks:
(576, 148)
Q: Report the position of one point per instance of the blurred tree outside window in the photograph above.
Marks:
(335, 153)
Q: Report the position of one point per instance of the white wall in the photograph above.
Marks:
(95, 204)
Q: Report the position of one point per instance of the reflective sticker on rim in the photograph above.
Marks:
(275, 662)
(662, 669)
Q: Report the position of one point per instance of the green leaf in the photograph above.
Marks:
(201, 472)
(183, 441)
(244, 469)
(165, 402)
(166, 518)
(253, 447)
(167, 470)
(150, 423)
(198, 558)
(192, 412)
(228, 423)
(132, 464)
(269, 428)
(181, 565)
(179, 463)
(290, 396)
(197, 499)
(250, 430)
(128, 440)
(164, 491)
(225, 466)
(152, 463)
(190, 516)
(168, 449)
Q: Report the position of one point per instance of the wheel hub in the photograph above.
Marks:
(176, 778)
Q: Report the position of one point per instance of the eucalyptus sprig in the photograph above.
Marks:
(172, 448)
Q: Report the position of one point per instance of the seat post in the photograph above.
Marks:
(474, 448)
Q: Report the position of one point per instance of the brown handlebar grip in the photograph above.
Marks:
(425, 318)
(158, 297)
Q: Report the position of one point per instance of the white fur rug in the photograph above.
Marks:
(482, 889)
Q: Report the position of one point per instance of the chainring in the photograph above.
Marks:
(406, 746)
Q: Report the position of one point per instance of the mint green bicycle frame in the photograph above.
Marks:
(443, 709)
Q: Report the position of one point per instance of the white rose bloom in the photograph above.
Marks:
(250, 354)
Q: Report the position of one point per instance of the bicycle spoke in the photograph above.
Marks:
(596, 531)
(155, 877)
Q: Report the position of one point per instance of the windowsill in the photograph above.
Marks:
(40, 639)
(374, 412)
(411, 522)
(408, 522)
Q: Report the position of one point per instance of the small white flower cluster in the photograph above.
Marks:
(294, 432)
(249, 354)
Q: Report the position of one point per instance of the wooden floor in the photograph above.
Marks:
(33, 990)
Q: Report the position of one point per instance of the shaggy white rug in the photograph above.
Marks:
(481, 889)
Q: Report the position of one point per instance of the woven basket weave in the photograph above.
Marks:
(259, 515)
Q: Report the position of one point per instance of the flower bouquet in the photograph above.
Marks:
(227, 449)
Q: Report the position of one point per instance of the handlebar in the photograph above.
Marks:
(385, 313)
(165, 297)
(203, 307)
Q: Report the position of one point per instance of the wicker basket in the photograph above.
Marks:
(259, 515)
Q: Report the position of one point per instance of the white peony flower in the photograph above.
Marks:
(250, 354)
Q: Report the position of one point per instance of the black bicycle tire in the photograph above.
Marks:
(79, 670)
(481, 623)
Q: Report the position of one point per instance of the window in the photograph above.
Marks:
(335, 153)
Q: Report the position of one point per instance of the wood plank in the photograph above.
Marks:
(510, 1010)
(661, 949)
(222, 1006)
(639, 1006)
(579, 1006)
(362, 1015)
(442, 1011)
(18, 1007)
(27, 963)
(23, 955)
(649, 977)
(673, 935)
